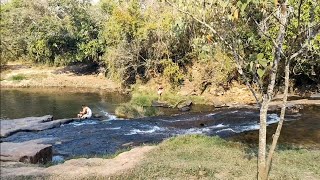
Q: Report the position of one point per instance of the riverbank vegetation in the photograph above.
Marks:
(208, 44)
(203, 157)
(142, 40)
(145, 100)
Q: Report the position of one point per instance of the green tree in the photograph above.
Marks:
(52, 32)
(258, 35)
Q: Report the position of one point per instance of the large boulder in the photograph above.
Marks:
(184, 105)
(26, 152)
(9, 127)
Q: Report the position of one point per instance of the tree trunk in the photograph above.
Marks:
(282, 114)
(262, 138)
(262, 168)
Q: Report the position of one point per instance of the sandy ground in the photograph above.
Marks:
(79, 168)
(52, 77)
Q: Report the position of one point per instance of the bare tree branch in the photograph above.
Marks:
(305, 45)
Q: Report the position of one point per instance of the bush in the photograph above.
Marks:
(128, 110)
(18, 77)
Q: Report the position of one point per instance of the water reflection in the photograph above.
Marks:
(61, 103)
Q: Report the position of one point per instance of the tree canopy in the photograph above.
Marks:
(136, 39)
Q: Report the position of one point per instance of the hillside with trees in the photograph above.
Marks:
(269, 46)
(142, 40)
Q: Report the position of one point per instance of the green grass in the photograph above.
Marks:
(104, 156)
(140, 104)
(203, 157)
(18, 77)
(143, 99)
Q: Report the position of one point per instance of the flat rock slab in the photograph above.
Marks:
(83, 168)
(27, 152)
(78, 168)
(9, 127)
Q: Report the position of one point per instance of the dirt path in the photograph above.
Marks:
(80, 168)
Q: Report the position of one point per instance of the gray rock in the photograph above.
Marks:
(26, 152)
(160, 104)
(184, 104)
(315, 96)
(184, 109)
(9, 127)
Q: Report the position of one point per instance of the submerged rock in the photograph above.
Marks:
(28, 152)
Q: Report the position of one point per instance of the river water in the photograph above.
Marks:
(105, 137)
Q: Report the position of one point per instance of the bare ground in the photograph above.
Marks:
(44, 76)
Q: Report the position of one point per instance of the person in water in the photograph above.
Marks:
(86, 112)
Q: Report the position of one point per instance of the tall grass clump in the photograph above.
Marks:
(18, 77)
(140, 105)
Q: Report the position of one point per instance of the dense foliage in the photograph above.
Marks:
(140, 40)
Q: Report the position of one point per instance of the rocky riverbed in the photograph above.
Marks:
(43, 139)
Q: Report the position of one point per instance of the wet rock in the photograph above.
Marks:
(184, 109)
(184, 105)
(160, 104)
(9, 127)
(315, 96)
(129, 144)
(28, 152)
(294, 108)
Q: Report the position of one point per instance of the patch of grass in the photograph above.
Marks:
(128, 110)
(18, 77)
(48, 164)
(104, 156)
(203, 157)
(143, 99)
(140, 105)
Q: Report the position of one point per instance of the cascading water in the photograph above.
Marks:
(93, 137)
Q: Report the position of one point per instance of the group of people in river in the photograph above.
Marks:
(86, 112)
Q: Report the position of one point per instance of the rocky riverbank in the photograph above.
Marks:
(81, 168)
(34, 151)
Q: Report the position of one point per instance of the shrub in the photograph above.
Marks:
(18, 77)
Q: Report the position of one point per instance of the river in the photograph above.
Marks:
(106, 137)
